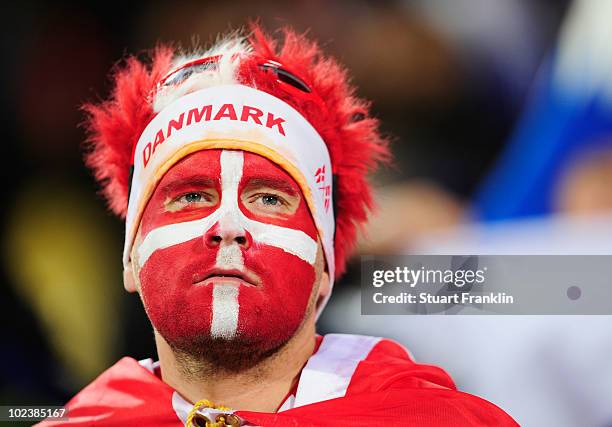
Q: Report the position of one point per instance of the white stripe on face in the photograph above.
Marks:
(224, 311)
(232, 163)
(230, 257)
(295, 242)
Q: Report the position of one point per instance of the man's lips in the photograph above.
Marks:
(226, 276)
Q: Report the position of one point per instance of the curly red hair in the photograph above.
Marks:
(344, 122)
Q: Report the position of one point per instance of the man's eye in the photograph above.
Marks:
(191, 198)
(270, 200)
(269, 203)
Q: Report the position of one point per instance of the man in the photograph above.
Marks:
(241, 174)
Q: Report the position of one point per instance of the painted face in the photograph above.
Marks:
(226, 252)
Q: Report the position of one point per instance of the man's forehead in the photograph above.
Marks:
(205, 165)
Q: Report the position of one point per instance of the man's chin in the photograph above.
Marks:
(234, 354)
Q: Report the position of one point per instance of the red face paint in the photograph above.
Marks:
(192, 312)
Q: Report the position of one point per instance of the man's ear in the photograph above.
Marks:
(129, 281)
(324, 288)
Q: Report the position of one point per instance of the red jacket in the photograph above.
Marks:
(350, 380)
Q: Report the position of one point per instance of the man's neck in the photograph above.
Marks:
(261, 388)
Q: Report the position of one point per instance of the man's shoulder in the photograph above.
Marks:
(377, 362)
(381, 374)
(125, 391)
(126, 379)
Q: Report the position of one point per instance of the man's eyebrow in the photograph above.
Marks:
(277, 184)
(189, 181)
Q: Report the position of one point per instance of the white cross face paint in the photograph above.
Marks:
(225, 311)
(230, 257)
(229, 216)
(249, 234)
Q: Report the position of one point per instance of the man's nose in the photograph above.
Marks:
(221, 236)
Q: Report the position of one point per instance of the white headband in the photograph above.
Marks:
(242, 118)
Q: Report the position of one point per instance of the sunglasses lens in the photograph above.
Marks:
(184, 73)
(286, 77)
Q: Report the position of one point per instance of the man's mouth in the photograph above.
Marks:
(220, 276)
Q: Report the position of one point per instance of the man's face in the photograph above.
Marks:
(227, 252)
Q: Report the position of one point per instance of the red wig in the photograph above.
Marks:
(343, 121)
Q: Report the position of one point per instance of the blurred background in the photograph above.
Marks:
(501, 118)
